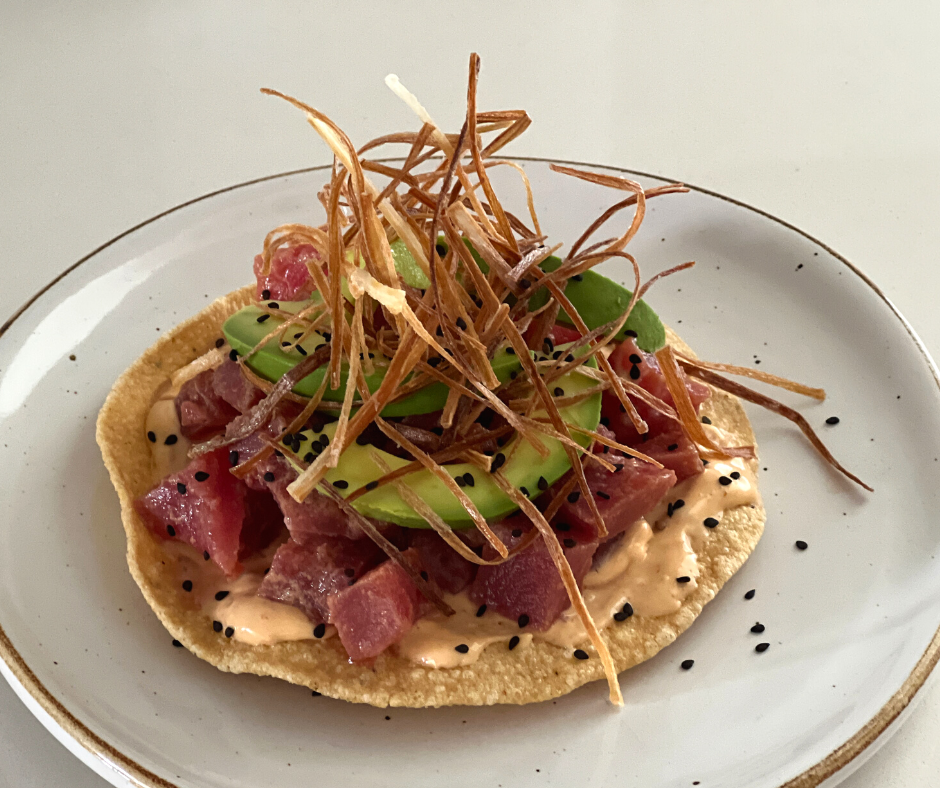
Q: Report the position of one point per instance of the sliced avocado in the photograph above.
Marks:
(524, 468)
(244, 332)
(599, 300)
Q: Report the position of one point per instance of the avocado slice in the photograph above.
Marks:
(243, 332)
(599, 300)
(524, 468)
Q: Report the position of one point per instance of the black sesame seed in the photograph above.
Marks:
(760, 648)
(517, 532)
(205, 555)
(372, 485)
(580, 654)
(710, 522)
(440, 249)
(278, 453)
(437, 430)
(523, 621)
(569, 357)
(269, 476)
(569, 542)
(542, 483)
(265, 295)
(687, 664)
(758, 628)
(463, 648)
(433, 362)
(220, 595)
(620, 616)
(181, 488)
(262, 318)
(201, 476)
(524, 491)
(563, 526)
(602, 494)
(177, 644)
(341, 484)
(498, 462)
(672, 447)
(460, 481)
(170, 440)
(618, 468)
(316, 694)
(635, 359)
(573, 496)
(556, 355)
(511, 351)
(229, 631)
(287, 344)
(724, 481)
(319, 630)
(187, 585)
(683, 579)
(750, 594)
(631, 333)
(425, 576)
(233, 355)
(481, 610)
(274, 305)
(513, 375)
(327, 336)
(468, 479)
(217, 626)
(324, 440)
(233, 458)
(678, 504)
(706, 420)
(462, 325)
(439, 331)
(735, 475)
(300, 350)
(634, 372)
(309, 456)
(801, 545)
(549, 345)
(578, 277)
(298, 336)
(171, 530)
(219, 342)
(832, 420)
(524, 283)
(152, 436)
(513, 642)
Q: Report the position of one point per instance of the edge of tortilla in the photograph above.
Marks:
(537, 673)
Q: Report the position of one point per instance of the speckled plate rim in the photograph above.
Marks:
(100, 751)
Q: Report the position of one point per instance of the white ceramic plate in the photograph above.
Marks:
(852, 621)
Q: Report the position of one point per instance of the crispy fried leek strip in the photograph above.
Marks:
(764, 377)
(567, 577)
(745, 393)
(478, 520)
(684, 407)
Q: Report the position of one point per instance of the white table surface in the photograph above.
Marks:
(826, 115)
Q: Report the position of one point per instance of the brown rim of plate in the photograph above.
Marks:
(812, 776)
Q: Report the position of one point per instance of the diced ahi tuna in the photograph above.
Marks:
(201, 411)
(622, 496)
(528, 583)
(305, 576)
(562, 335)
(673, 449)
(375, 612)
(643, 369)
(288, 279)
(231, 385)
(209, 509)
(450, 571)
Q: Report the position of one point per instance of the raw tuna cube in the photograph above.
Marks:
(375, 612)
(673, 449)
(305, 576)
(231, 385)
(208, 508)
(288, 279)
(528, 584)
(622, 497)
(202, 412)
(444, 566)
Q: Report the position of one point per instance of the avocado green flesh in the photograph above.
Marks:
(599, 300)
(523, 468)
(244, 332)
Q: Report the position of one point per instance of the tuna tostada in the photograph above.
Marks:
(423, 460)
